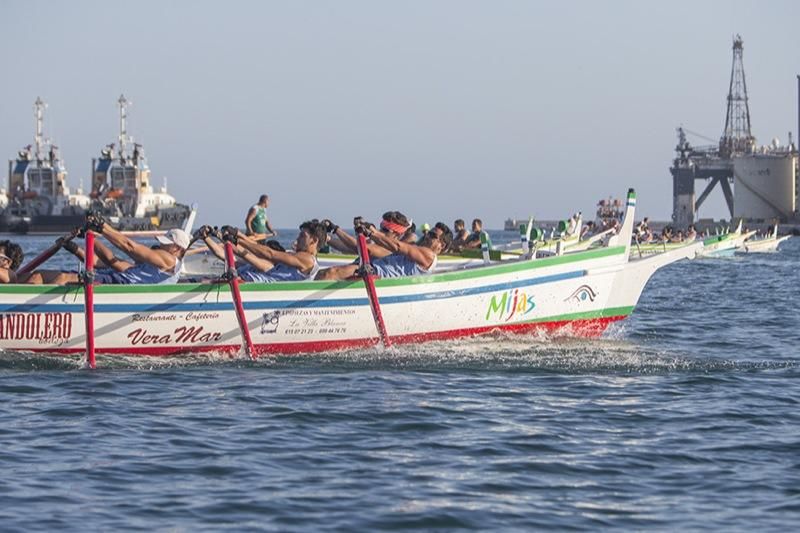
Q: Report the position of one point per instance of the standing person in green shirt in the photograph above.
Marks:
(256, 223)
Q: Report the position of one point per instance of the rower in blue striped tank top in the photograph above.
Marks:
(405, 259)
(271, 264)
(157, 265)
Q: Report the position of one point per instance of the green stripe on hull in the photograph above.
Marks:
(718, 238)
(587, 315)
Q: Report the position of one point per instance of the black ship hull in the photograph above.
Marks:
(165, 219)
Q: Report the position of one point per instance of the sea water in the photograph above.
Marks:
(684, 416)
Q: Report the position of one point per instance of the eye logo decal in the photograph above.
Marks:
(269, 322)
(582, 294)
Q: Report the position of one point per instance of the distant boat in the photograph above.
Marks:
(766, 244)
(726, 243)
(37, 188)
(121, 187)
(39, 200)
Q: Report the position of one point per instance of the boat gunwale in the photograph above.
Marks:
(456, 275)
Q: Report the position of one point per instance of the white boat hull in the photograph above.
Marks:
(577, 293)
(761, 246)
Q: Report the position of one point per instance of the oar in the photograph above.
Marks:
(528, 229)
(88, 298)
(189, 224)
(233, 282)
(47, 254)
(524, 236)
(486, 245)
(372, 294)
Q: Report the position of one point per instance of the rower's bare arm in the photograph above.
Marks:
(337, 243)
(215, 247)
(393, 245)
(348, 240)
(261, 264)
(103, 254)
(80, 253)
(377, 250)
(422, 256)
(195, 251)
(301, 260)
(139, 252)
(246, 243)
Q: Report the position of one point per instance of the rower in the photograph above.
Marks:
(587, 230)
(410, 236)
(404, 260)
(158, 265)
(474, 238)
(269, 264)
(11, 257)
(393, 223)
(460, 234)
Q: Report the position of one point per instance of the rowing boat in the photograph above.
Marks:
(726, 244)
(577, 294)
(764, 245)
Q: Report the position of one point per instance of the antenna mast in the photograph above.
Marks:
(123, 131)
(38, 108)
(737, 138)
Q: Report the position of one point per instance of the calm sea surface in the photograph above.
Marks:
(685, 416)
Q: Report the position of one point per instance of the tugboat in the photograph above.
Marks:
(39, 201)
(37, 198)
(121, 188)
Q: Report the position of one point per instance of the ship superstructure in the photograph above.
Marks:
(38, 199)
(37, 184)
(122, 189)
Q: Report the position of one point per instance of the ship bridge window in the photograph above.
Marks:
(117, 179)
(123, 178)
(40, 180)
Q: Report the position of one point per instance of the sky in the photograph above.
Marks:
(439, 109)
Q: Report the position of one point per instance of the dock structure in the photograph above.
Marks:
(758, 183)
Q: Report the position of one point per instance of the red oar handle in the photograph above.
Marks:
(372, 294)
(233, 281)
(88, 301)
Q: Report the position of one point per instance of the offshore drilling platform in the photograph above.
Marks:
(759, 182)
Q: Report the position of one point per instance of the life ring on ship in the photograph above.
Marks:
(115, 193)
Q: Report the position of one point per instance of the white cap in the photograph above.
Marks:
(175, 236)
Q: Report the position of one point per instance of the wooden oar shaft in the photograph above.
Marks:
(237, 303)
(45, 255)
(372, 294)
(88, 293)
